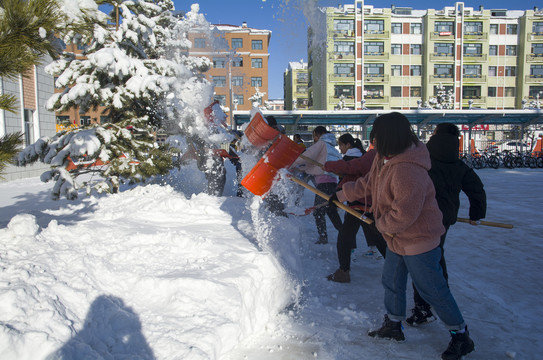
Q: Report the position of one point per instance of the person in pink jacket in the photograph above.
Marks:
(407, 214)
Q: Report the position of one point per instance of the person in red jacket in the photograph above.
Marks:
(407, 214)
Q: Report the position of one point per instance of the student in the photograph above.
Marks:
(322, 150)
(450, 175)
(297, 138)
(407, 214)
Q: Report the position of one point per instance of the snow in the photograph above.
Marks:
(168, 272)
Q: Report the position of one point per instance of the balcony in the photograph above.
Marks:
(376, 35)
(535, 36)
(475, 57)
(376, 99)
(445, 78)
(477, 99)
(376, 78)
(444, 35)
(343, 34)
(341, 77)
(376, 56)
(341, 56)
(442, 57)
(349, 100)
(534, 58)
(533, 79)
(475, 36)
(474, 79)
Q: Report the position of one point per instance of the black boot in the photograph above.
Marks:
(421, 314)
(460, 345)
(389, 330)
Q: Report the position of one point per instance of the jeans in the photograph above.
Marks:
(427, 276)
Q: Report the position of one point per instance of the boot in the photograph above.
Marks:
(420, 315)
(340, 276)
(322, 240)
(389, 330)
(460, 345)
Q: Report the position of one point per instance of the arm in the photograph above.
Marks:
(473, 187)
(312, 152)
(359, 167)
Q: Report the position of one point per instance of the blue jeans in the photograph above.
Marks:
(427, 276)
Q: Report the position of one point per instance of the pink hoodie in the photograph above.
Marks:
(404, 202)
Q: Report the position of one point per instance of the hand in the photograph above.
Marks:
(333, 198)
(475, 222)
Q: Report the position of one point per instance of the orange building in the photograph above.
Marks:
(240, 63)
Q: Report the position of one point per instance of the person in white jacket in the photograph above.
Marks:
(322, 150)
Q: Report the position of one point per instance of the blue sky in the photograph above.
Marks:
(288, 24)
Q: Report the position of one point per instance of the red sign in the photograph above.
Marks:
(445, 33)
(476, 127)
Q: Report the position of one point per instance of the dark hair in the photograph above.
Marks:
(320, 130)
(354, 142)
(297, 136)
(447, 128)
(392, 134)
(271, 121)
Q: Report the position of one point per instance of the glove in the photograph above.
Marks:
(331, 200)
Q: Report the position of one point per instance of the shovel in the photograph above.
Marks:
(487, 223)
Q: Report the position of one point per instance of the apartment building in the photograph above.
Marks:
(240, 63)
(295, 90)
(399, 57)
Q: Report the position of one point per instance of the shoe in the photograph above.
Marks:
(340, 276)
(322, 240)
(420, 315)
(460, 345)
(389, 330)
(369, 253)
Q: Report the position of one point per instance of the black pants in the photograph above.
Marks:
(346, 240)
(419, 301)
(319, 213)
(373, 236)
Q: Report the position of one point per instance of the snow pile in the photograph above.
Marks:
(148, 267)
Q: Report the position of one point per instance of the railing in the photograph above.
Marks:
(475, 57)
(534, 58)
(341, 77)
(443, 35)
(376, 34)
(533, 79)
(376, 56)
(376, 77)
(475, 35)
(474, 78)
(441, 78)
(441, 57)
(341, 56)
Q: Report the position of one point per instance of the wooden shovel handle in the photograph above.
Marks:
(487, 223)
(311, 161)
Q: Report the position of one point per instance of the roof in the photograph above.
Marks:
(416, 117)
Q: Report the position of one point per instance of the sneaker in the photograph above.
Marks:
(340, 276)
(420, 316)
(389, 330)
(460, 345)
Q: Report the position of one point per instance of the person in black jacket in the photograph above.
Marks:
(450, 176)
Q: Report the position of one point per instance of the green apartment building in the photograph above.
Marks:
(295, 90)
(399, 58)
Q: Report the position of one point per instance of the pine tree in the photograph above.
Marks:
(141, 72)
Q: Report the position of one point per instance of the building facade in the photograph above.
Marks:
(240, 63)
(400, 58)
(295, 86)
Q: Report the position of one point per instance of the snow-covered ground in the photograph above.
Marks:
(167, 272)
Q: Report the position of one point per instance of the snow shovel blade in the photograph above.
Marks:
(259, 133)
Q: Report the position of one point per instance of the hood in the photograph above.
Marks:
(354, 152)
(416, 154)
(329, 138)
(443, 147)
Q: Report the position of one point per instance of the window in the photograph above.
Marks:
(536, 92)
(415, 70)
(374, 26)
(256, 63)
(415, 91)
(256, 45)
(344, 26)
(492, 91)
(511, 50)
(85, 120)
(374, 48)
(221, 99)
(219, 81)
(199, 43)
(63, 120)
(344, 47)
(537, 49)
(415, 49)
(492, 71)
(493, 50)
(443, 70)
(416, 28)
(473, 28)
(256, 81)
(536, 70)
(396, 70)
(444, 27)
(237, 80)
(396, 28)
(471, 92)
(239, 98)
(396, 49)
(510, 71)
(537, 27)
(472, 71)
(237, 62)
(344, 70)
(345, 90)
(237, 43)
(509, 92)
(493, 28)
(301, 77)
(443, 49)
(219, 62)
(374, 69)
(473, 50)
(374, 91)
(302, 89)
(396, 91)
(512, 29)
